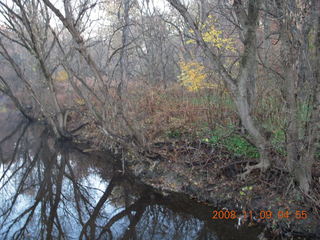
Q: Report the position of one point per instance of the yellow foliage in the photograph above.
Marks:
(80, 101)
(61, 76)
(193, 76)
(212, 35)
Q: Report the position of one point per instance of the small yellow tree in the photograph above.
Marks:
(193, 75)
(212, 35)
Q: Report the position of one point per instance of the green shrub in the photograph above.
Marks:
(241, 147)
(236, 144)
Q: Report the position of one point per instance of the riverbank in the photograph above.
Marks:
(210, 174)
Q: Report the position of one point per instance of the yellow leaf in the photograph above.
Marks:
(61, 76)
(212, 35)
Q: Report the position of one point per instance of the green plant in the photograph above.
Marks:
(214, 139)
(278, 140)
(246, 190)
(234, 143)
(174, 133)
(241, 147)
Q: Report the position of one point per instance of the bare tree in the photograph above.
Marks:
(27, 25)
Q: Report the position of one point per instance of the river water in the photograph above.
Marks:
(52, 190)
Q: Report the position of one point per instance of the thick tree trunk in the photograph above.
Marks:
(246, 89)
(301, 74)
(257, 137)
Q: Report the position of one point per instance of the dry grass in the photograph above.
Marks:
(160, 112)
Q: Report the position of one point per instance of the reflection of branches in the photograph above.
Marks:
(131, 230)
(92, 219)
(32, 208)
(15, 149)
(20, 187)
(139, 205)
(79, 192)
(44, 193)
(54, 206)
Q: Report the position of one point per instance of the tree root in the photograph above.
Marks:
(263, 166)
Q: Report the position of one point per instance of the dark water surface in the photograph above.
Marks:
(51, 190)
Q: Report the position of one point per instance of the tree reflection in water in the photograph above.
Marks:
(51, 190)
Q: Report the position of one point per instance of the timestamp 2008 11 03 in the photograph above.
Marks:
(262, 214)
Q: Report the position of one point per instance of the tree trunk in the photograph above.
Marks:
(301, 74)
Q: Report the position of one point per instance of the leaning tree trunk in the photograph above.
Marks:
(246, 90)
